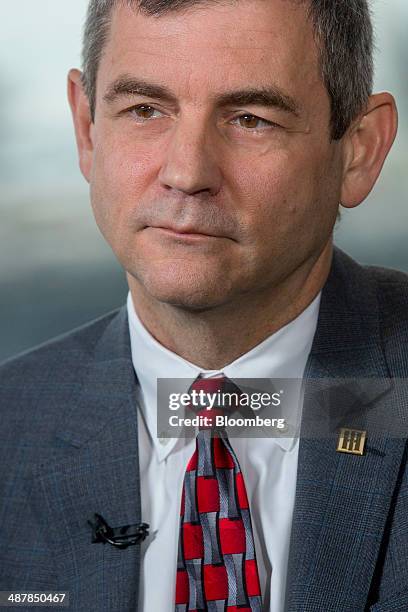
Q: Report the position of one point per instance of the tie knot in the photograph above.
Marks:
(212, 397)
(205, 387)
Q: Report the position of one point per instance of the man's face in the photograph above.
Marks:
(213, 174)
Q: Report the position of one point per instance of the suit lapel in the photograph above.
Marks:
(96, 470)
(342, 501)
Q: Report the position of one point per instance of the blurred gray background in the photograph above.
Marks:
(56, 271)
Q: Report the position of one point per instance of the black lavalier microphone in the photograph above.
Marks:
(121, 537)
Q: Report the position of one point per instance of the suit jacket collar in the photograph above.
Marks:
(349, 325)
(108, 384)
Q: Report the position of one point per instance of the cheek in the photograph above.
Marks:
(289, 201)
(274, 192)
(120, 175)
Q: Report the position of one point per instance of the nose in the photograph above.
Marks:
(189, 161)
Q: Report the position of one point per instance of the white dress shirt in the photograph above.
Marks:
(269, 465)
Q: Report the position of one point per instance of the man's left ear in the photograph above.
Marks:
(366, 147)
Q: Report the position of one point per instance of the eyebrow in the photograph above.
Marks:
(126, 87)
(271, 97)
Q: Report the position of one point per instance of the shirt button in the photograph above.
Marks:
(163, 441)
(285, 429)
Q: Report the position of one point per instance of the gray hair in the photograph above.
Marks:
(343, 31)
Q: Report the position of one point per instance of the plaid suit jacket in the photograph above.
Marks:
(68, 449)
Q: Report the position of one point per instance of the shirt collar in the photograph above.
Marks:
(282, 355)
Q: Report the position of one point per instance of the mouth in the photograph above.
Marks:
(189, 233)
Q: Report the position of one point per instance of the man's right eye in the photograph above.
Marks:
(144, 112)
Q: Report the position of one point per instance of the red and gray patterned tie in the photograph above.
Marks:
(216, 565)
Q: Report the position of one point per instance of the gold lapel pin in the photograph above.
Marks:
(351, 441)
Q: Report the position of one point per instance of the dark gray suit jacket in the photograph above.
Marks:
(68, 448)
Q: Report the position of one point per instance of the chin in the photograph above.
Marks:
(189, 298)
(195, 292)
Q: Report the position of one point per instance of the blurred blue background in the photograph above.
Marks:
(56, 271)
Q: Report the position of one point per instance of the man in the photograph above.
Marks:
(218, 140)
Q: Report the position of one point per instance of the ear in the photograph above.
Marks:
(366, 146)
(81, 115)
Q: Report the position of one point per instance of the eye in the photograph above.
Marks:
(143, 112)
(252, 122)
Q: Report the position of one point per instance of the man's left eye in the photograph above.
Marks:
(252, 122)
(144, 111)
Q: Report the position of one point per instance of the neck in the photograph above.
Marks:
(214, 338)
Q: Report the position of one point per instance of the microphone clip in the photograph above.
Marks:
(120, 537)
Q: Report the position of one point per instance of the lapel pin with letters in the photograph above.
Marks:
(351, 441)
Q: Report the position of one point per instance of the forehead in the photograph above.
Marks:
(215, 45)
